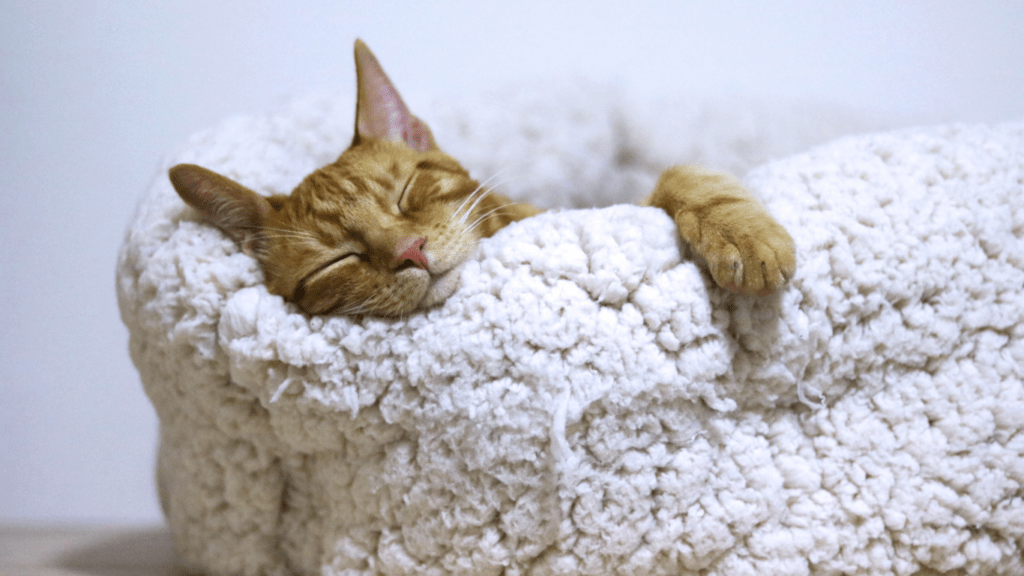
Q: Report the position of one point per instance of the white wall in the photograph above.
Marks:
(92, 94)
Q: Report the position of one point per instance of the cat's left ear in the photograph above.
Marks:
(233, 208)
(380, 111)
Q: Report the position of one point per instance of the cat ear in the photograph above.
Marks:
(227, 204)
(380, 112)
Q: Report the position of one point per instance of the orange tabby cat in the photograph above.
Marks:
(382, 231)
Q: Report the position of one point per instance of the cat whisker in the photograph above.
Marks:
(483, 189)
(284, 241)
(356, 310)
(484, 183)
(359, 308)
(267, 231)
(465, 215)
(469, 211)
(473, 197)
(279, 236)
(476, 223)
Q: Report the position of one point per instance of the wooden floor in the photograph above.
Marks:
(82, 551)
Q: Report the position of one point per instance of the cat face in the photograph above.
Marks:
(381, 231)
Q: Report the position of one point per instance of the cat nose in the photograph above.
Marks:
(411, 250)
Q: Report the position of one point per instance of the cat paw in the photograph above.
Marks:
(758, 261)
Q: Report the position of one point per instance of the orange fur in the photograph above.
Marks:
(383, 229)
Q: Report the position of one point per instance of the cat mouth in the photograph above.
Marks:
(441, 286)
(443, 273)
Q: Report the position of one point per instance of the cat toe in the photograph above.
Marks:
(727, 268)
(777, 265)
(756, 268)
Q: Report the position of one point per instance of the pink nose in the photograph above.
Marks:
(411, 249)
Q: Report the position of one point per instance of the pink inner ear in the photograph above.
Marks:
(380, 111)
(419, 137)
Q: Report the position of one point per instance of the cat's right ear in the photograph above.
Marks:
(380, 112)
(233, 208)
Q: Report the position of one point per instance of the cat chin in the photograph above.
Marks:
(441, 287)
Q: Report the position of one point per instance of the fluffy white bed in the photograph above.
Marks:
(588, 402)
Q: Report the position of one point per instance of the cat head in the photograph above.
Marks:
(381, 231)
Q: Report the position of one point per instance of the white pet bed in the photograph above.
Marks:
(588, 403)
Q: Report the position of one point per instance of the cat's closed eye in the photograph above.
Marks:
(403, 197)
(348, 258)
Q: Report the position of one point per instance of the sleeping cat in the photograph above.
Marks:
(383, 230)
